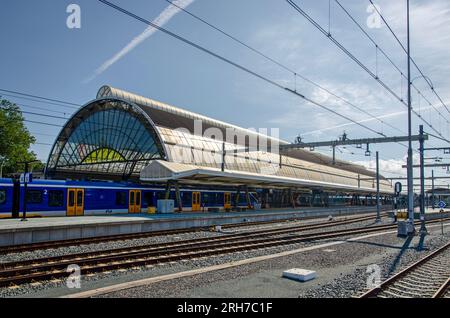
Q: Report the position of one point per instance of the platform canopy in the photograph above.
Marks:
(163, 171)
(119, 134)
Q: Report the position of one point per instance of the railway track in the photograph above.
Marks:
(15, 273)
(122, 237)
(427, 278)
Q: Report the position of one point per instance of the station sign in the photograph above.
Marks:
(26, 177)
(398, 188)
(442, 205)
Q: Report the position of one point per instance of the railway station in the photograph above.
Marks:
(172, 177)
(127, 168)
(96, 167)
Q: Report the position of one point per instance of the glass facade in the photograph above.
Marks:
(185, 148)
(120, 133)
(109, 137)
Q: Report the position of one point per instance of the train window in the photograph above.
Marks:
(55, 198)
(71, 198)
(205, 198)
(138, 198)
(186, 198)
(2, 196)
(121, 198)
(79, 198)
(148, 198)
(34, 196)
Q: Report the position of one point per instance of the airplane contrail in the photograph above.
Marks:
(164, 17)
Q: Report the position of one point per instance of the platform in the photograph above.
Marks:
(15, 232)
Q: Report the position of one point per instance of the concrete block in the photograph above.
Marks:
(25, 237)
(73, 233)
(57, 235)
(112, 230)
(125, 228)
(6, 239)
(89, 231)
(41, 236)
(302, 275)
(101, 230)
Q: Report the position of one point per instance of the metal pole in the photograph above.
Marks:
(411, 229)
(378, 188)
(2, 161)
(24, 215)
(223, 156)
(334, 155)
(432, 189)
(423, 228)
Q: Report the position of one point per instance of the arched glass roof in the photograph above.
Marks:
(107, 137)
(119, 134)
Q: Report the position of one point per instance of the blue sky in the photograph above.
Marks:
(41, 56)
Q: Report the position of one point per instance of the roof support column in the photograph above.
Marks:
(237, 197)
(178, 197)
(247, 197)
(293, 200)
(168, 186)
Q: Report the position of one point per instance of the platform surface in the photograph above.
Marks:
(36, 230)
(10, 224)
(45, 222)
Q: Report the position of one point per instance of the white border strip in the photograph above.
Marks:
(151, 280)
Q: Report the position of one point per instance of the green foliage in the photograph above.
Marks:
(103, 155)
(15, 139)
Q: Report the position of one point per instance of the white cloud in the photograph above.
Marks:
(164, 17)
(388, 167)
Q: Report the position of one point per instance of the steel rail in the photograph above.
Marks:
(375, 292)
(132, 236)
(58, 270)
(441, 292)
(176, 244)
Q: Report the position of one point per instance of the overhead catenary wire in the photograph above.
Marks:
(379, 49)
(412, 60)
(295, 74)
(77, 107)
(42, 108)
(42, 123)
(28, 96)
(359, 62)
(282, 65)
(228, 61)
(39, 97)
(23, 96)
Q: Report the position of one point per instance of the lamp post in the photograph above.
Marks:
(2, 163)
(378, 188)
(423, 229)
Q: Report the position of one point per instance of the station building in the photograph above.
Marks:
(123, 136)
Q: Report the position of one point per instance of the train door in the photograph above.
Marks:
(195, 201)
(135, 201)
(75, 202)
(227, 200)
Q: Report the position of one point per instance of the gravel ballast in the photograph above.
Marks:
(341, 272)
(98, 280)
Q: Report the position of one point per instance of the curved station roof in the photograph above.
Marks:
(120, 135)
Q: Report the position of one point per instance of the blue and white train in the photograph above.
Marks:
(78, 198)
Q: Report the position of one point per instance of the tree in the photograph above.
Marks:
(15, 139)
